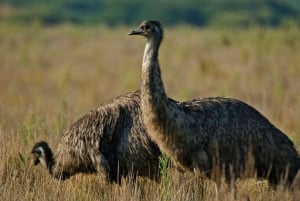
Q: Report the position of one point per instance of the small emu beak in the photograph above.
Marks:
(135, 32)
(36, 161)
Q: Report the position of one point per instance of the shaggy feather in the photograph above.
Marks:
(111, 140)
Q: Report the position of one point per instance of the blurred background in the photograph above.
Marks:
(60, 59)
(233, 13)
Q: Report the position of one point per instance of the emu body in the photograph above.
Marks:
(111, 140)
(211, 134)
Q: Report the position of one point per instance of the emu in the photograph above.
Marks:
(111, 140)
(215, 135)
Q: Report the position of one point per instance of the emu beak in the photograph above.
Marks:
(136, 32)
(36, 161)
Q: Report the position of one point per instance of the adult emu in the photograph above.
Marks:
(110, 140)
(213, 135)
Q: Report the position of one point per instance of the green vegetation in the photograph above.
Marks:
(234, 13)
(50, 76)
(163, 167)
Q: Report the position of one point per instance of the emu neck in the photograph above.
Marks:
(49, 160)
(152, 91)
(151, 50)
(50, 165)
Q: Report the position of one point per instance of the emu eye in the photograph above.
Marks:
(38, 152)
(145, 27)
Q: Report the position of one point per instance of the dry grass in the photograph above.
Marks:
(49, 77)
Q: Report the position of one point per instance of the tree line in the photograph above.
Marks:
(236, 13)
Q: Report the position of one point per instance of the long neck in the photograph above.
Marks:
(151, 50)
(153, 92)
(50, 164)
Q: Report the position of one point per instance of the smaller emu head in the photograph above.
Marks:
(149, 29)
(43, 154)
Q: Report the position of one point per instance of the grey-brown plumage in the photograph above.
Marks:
(211, 134)
(111, 140)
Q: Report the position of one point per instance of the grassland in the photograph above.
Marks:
(51, 76)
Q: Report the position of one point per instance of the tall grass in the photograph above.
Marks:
(50, 76)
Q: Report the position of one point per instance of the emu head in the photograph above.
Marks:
(149, 29)
(42, 154)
